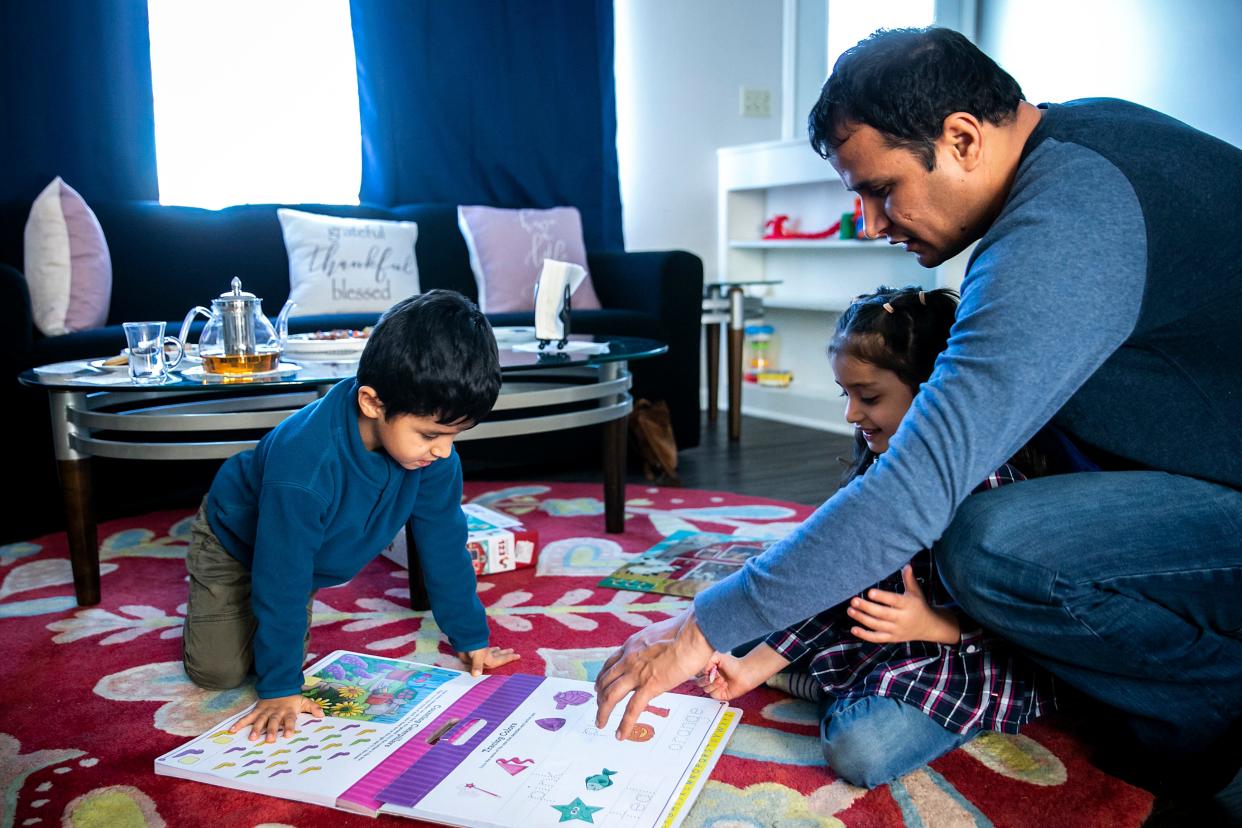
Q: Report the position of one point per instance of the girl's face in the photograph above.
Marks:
(878, 399)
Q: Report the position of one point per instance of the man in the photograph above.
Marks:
(1105, 296)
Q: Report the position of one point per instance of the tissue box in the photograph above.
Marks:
(497, 543)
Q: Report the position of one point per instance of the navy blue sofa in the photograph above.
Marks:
(167, 259)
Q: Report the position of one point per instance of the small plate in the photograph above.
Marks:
(197, 373)
(306, 346)
(102, 365)
(507, 334)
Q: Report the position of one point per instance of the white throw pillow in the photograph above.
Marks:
(348, 265)
(67, 265)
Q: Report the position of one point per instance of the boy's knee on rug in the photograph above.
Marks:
(217, 676)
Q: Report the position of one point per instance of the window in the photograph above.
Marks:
(849, 21)
(255, 102)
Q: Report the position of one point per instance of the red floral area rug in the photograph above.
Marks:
(95, 694)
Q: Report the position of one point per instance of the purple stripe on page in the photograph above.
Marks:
(364, 791)
(433, 767)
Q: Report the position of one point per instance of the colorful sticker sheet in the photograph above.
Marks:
(686, 563)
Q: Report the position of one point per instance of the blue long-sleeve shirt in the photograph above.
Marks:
(310, 506)
(1106, 297)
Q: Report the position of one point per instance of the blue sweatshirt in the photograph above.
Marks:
(310, 506)
(1105, 297)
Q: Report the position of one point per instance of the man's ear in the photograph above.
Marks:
(369, 403)
(962, 138)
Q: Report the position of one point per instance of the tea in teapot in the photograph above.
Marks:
(238, 338)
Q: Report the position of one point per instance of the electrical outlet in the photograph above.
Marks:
(754, 102)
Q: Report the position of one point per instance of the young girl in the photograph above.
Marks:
(901, 675)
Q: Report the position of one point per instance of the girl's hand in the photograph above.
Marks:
(891, 617)
(486, 658)
(271, 716)
(728, 677)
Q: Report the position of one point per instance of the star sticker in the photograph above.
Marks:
(576, 810)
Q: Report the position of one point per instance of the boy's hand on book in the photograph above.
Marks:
(271, 716)
(728, 677)
(486, 658)
(892, 617)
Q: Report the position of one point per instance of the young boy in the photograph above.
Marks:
(326, 490)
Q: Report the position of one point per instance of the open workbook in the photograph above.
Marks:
(497, 751)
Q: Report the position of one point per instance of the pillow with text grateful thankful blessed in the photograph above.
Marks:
(343, 265)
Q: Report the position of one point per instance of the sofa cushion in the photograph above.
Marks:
(66, 262)
(348, 265)
(508, 248)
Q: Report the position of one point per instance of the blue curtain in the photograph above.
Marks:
(75, 98)
(508, 103)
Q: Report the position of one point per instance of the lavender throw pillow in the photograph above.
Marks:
(507, 249)
(67, 264)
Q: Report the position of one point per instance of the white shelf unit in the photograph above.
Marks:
(819, 277)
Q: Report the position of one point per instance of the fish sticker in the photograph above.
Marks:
(600, 780)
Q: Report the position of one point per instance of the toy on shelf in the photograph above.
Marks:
(851, 226)
(761, 351)
(775, 229)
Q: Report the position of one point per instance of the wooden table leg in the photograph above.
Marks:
(736, 333)
(419, 600)
(713, 372)
(80, 528)
(614, 475)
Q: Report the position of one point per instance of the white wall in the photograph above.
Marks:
(679, 66)
(1178, 56)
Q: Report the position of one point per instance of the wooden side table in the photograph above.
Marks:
(726, 304)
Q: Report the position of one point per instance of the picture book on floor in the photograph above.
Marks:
(436, 744)
(686, 563)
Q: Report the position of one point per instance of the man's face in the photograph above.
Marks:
(929, 212)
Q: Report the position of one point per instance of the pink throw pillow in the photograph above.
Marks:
(67, 264)
(507, 249)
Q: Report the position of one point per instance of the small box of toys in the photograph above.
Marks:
(497, 542)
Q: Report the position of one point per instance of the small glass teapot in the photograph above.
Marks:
(238, 338)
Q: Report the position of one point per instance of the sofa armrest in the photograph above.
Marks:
(666, 284)
(16, 321)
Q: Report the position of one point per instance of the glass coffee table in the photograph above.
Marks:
(97, 412)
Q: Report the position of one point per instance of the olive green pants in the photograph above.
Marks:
(218, 638)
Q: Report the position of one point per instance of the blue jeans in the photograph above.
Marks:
(1126, 585)
(874, 740)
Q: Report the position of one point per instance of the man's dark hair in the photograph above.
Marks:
(904, 83)
(433, 355)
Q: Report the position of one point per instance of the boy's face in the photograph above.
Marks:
(415, 442)
(877, 399)
(412, 441)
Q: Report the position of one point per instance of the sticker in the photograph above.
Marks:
(600, 780)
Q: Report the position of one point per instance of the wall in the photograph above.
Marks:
(1176, 56)
(679, 66)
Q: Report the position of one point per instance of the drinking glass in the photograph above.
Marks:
(148, 362)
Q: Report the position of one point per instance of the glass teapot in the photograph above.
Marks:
(238, 338)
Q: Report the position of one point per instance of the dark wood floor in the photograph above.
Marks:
(772, 459)
(802, 465)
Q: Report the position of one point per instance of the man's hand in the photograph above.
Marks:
(270, 716)
(486, 658)
(896, 617)
(652, 660)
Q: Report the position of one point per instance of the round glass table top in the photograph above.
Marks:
(516, 355)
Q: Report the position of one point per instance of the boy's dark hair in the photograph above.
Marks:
(906, 341)
(433, 355)
(904, 83)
